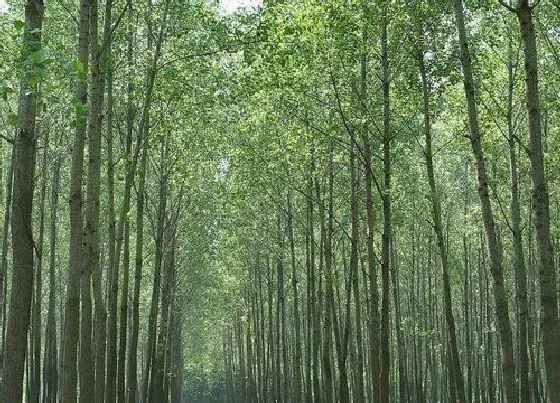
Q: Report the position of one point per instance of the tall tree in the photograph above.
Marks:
(540, 200)
(50, 368)
(495, 252)
(455, 363)
(69, 376)
(384, 359)
(22, 206)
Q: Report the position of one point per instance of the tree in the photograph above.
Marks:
(540, 200)
(22, 204)
(493, 243)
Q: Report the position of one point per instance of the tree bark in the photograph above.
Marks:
(371, 258)
(123, 319)
(326, 241)
(154, 305)
(72, 309)
(101, 66)
(492, 242)
(50, 369)
(22, 209)
(5, 247)
(518, 258)
(90, 259)
(384, 358)
(358, 394)
(297, 328)
(158, 376)
(35, 384)
(132, 369)
(455, 363)
(540, 202)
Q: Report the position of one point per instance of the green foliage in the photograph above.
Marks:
(249, 106)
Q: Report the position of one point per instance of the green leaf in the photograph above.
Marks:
(38, 56)
(19, 24)
(5, 90)
(80, 109)
(14, 120)
(78, 66)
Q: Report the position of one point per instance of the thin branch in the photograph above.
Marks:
(508, 6)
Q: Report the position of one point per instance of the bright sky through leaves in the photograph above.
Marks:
(230, 6)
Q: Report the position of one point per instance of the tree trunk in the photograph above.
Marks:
(492, 242)
(90, 260)
(177, 354)
(161, 344)
(101, 73)
(518, 259)
(50, 369)
(115, 382)
(358, 395)
(121, 359)
(455, 362)
(154, 305)
(384, 359)
(310, 290)
(297, 329)
(72, 309)
(371, 258)
(326, 241)
(132, 369)
(22, 209)
(5, 247)
(540, 203)
(35, 384)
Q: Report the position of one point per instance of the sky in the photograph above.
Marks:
(229, 6)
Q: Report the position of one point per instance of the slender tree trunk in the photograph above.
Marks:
(518, 259)
(370, 221)
(438, 229)
(540, 202)
(177, 355)
(271, 336)
(22, 209)
(297, 329)
(72, 308)
(259, 300)
(132, 369)
(358, 395)
(121, 359)
(310, 291)
(343, 339)
(384, 359)
(251, 392)
(35, 384)
(281, 314)
(154, 306)
(101, 73)
(50, 371)
(5, 246)
(400, 344)
(161, 344)
(90, 260)
(493, 244)
(242, 381)
(316, 301)
(326, 242)
(123, 329)
(115, 381)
